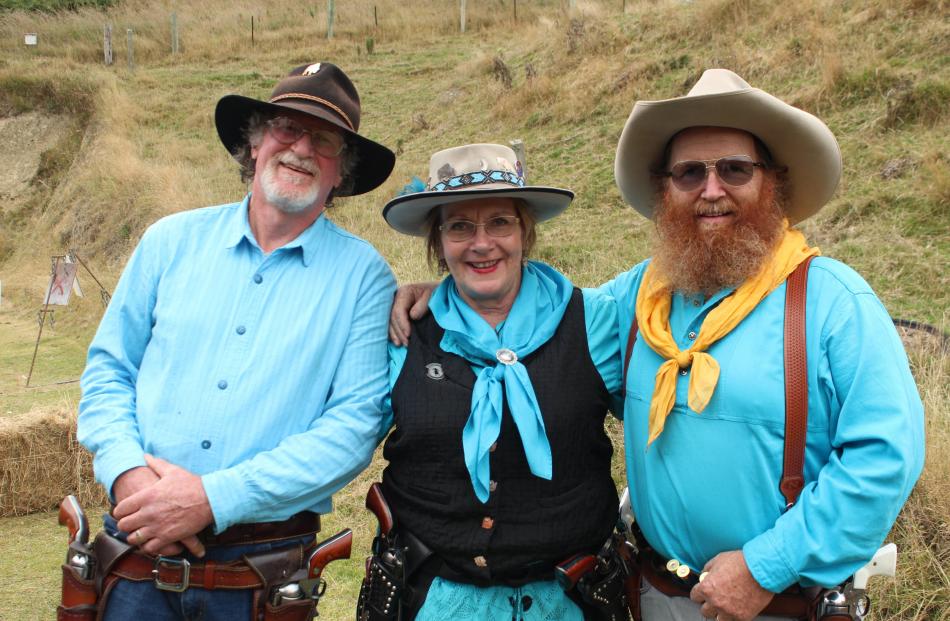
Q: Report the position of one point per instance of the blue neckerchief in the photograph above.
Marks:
(535, 315)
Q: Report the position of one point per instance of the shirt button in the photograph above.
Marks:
(222, 384)
(487, 523)
(241, 330)
(480, 561)
(206, 444)
(683, 372)
(492, 486)
(691, 335)
(696, 303)
(494, 445)
(258, 278)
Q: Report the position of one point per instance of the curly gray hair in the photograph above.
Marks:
(254, 132)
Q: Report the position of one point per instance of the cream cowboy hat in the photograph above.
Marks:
(467, 172)
(721, 98)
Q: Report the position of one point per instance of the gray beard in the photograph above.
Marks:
(288, 202)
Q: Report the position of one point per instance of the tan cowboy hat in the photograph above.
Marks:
(467, 172)
(320, 90)
(720, 98)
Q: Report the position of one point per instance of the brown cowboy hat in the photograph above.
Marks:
(320, 90)
(720, 98)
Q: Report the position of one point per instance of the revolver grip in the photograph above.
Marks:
(333, 549)
(72, 517)
(376, 502)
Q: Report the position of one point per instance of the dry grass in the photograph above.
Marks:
(922, 532)
(42, 462)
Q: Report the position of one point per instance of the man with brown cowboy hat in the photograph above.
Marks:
(236, 378)
(713, 377)
(721, 491)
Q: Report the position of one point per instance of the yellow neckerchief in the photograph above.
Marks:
(653, 317)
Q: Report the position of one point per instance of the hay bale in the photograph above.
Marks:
(41, 462)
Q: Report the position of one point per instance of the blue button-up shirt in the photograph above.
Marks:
(263, 373)
(709, 483)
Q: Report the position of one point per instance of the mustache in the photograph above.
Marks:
(723, 205)
(291, 159)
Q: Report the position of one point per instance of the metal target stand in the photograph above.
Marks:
(46, 313)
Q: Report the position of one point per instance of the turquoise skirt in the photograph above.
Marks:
(536, 601)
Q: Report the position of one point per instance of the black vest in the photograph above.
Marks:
(528, 524)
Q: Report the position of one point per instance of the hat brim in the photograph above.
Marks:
(795, 138)
(408, 213)
(374, 161)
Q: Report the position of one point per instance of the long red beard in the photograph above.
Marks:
(704, 262)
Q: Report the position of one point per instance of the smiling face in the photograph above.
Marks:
(716, 235)
(486, 269)
(294, 178)
(715, 203)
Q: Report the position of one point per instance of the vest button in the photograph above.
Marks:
(480, 561)
(492, 486)
(487, 523)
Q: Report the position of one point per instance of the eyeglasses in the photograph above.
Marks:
(734, 170)
(499, 226)
(327, 143)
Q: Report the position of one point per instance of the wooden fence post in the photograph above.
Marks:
(329, 19)
(375, 16)
(252, 30)
(462, 15)
(129, 46)
(174, 33)
(107, 43)
(517, 145)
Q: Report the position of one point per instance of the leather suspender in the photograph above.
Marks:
(796, 382)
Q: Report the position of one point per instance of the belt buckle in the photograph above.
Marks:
(175, 587)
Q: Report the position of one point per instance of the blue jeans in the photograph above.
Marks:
(141, 601)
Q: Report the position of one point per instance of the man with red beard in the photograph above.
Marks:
(724, 173)
(236, 380)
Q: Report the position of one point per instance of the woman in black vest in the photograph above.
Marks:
(499, 466)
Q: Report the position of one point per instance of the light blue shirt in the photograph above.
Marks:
(600, 318)
(709, 483)
(263, 373)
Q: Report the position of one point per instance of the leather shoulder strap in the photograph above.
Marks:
(631, 339)
(796, 384)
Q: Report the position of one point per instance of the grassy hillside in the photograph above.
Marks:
(133, 145)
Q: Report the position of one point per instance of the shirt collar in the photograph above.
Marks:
(240, 229)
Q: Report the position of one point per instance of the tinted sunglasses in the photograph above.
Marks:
(734, 170)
